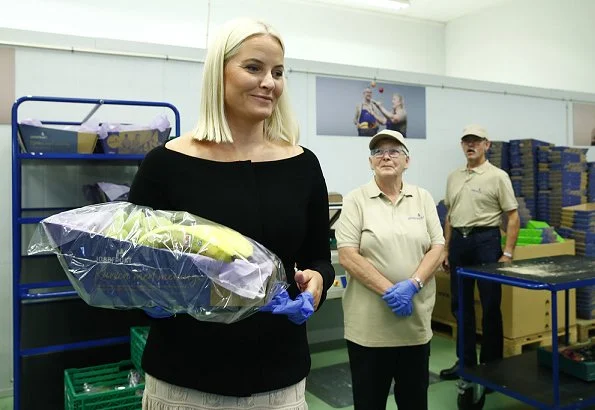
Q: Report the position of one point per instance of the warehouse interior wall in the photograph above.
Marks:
(538, 43)
(317, 33)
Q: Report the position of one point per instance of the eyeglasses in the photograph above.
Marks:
(393, 153)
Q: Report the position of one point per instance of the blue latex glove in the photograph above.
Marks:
(298, 310)
(157, 312)
(400, 297)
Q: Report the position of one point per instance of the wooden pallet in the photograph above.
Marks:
(449, 328)
(514, 347)
(444, 327)
(586, 329)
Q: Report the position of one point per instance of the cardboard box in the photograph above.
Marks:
(442, 312)
(582, 207)
(133, 142)
(528, 312)
(544, 250)
(524, 312)
(54, 140)
(335, 198)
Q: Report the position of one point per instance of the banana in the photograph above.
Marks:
(153, 222)
(132, 227)
(136, 224)
(116, 228)
(213, 241)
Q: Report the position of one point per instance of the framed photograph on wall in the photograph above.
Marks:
(6, 84)
(583, 124)
(352, 108)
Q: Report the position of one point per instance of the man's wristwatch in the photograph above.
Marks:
(507, 254)
(419, 282)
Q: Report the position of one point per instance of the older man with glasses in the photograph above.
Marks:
(477, 195)
(390, 241)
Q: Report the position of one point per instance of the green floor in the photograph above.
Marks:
(442, 395)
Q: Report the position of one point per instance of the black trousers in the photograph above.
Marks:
(374, 368)
(478, 247)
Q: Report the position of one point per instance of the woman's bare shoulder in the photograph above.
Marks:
(187, 145)
(178, 144)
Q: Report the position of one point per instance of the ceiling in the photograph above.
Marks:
(435, 10)
(446, 10)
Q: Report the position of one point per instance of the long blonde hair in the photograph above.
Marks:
(212, 124)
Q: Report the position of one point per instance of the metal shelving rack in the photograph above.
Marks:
(522, 377)
(58, 289)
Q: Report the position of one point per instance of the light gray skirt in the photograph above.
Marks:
(160, 395)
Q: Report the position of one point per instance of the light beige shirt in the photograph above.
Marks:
(394, 238)
(478, 196)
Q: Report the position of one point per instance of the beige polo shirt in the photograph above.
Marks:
(394, 239)
(478, 196)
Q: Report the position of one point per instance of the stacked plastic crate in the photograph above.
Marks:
(585, 302)
(578, 222)
(566, 178)
(498, 155)
(524, 214)
(110, 386)
(591, 182)
(543, 184)
(523, 170)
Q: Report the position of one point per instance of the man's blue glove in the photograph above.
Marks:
(298, 310)
(400, 297)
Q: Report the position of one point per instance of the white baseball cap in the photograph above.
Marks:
(476, 130)
(388, 135)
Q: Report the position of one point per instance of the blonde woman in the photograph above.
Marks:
(396, 119)
(241, 167)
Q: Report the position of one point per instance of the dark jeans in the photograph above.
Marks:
(478, 247)
(374, 368)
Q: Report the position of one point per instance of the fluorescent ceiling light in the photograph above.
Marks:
(375, 5)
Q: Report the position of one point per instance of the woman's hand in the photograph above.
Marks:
(311, 281)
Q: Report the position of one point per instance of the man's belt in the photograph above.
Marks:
(465, 231)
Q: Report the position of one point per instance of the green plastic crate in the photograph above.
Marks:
(138, 340)
(533, 233)
(582, 370)
(113, 377)
(529, 240)
(533, 224)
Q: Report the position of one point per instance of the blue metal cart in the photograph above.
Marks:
(44, 336)
(522, 377)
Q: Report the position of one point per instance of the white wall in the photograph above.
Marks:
(5, 263)
(179, 23)
(319, 33)
(539, 43)
(345, 160)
